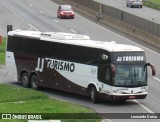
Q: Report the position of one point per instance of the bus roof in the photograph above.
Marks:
(81, 40)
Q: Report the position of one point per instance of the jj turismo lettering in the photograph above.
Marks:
(55, 64)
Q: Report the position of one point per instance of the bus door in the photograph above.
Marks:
(11, 68)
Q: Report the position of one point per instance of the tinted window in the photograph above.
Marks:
(66, 8)
(55, 50)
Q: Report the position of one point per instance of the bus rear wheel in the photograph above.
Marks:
(34, 82)
(24, 80)
(93, 94)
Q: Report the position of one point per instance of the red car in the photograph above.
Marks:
(65, 11)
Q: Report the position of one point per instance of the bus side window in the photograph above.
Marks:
(104, 74)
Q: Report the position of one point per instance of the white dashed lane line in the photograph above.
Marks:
(41, 12)
(144, 107)
(73, 31)
(55, 20)
(156, 79)
(30, 5)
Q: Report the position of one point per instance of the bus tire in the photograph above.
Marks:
(93, 94)
(34, 82)
(24, 80)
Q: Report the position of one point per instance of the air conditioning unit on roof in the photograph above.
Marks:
(64, 36)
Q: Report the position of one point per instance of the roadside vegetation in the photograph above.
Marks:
(16, 99)
(2, 51)
(155, 4)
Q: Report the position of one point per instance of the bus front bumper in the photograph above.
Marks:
(115, 97)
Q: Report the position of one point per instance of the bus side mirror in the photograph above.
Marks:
(152, 67)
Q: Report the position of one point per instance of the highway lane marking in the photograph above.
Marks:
(3, 4)
(147, 109)
(30, 5)
(20, 17)
(55, 20)
(12, 11)
(33, 27)
(73, 31)
(41, 12)
(156, 79)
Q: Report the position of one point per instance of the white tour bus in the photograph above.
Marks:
(74, 63)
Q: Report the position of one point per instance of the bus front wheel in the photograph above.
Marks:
(34, 82)
(93, 94)
(24, 80)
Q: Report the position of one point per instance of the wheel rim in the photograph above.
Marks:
(34, 82)
(92, 95)
(25, 79)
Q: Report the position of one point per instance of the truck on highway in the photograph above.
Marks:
(77, 64)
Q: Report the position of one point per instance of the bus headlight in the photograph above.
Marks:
(145, 90)
(117, 91)
(144, 87)
(120, 92)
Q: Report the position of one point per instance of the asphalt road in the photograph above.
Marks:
(145, 12)
(41, 15)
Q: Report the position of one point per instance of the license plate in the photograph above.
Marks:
(132, 97)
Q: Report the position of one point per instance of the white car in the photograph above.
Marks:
(134, 3)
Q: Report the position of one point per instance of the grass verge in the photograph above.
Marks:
(20, 100)
(155, 4)
(155, 1)
(2, 51)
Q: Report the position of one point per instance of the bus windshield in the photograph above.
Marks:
(130, 75)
